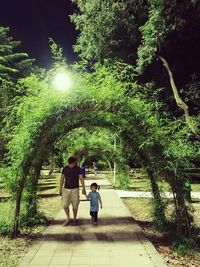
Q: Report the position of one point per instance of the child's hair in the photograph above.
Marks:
(95, 185)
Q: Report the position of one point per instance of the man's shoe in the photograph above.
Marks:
(67, 223)
(75, 222)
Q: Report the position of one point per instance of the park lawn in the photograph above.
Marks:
(139, 182)
(195, 187)
(12, 250)
(6, 209)
(140, 208)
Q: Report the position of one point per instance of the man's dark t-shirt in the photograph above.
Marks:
(71, 176)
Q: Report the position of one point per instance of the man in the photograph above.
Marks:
(69, 188)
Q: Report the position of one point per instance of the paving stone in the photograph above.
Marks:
(80, 260)
(61, 260)
(41, 260)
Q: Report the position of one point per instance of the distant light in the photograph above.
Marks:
(62, 81)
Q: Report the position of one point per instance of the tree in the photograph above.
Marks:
(109, 29)
(13, 66)
(149, 29)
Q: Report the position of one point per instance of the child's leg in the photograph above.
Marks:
(92, 215)
(95, 216)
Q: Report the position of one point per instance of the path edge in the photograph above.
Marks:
(154, 255)
(32, 250)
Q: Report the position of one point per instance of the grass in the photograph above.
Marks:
(11, 250)
(140, 182)
(195, 187)
(50, 201)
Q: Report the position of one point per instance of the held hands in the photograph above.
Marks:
(84, 191)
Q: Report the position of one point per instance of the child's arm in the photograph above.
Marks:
(100, 201)
(88, 196)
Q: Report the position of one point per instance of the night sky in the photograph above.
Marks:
(33, 21)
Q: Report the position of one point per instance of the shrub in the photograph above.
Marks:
(123, 180)
(5, 226)
(183, 246)
(38, 219)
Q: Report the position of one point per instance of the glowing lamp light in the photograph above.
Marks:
(62, 81)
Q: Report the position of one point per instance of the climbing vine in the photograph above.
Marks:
(96, 99)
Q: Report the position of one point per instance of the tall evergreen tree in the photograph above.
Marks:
(13, 66)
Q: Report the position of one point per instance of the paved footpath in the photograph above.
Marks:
(123, 193)
(117, 241)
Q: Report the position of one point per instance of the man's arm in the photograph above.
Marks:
(62, 178)
(82, 183)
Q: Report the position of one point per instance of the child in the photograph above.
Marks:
(95, 199)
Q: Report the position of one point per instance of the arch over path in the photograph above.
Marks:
(132, 118)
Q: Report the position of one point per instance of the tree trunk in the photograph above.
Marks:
(17, 207)
(159, 206)
(110, 167)
(82, 160)
(31, 201)
(180, 103)
(183, 218)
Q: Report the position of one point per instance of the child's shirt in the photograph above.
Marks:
(94, 201)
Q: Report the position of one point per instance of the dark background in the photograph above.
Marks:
(33, 21)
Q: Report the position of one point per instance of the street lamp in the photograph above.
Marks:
(62, 81)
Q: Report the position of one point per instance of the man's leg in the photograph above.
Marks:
(67, 211)
(75, 202)
(75, 211)
(66, 202)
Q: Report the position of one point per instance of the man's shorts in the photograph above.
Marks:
(70, 196)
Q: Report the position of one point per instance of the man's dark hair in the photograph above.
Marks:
(72, 160)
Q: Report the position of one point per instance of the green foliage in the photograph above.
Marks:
(37, 117)
(89, 143)
(38, 219)
(192, 93)
(8, 178)
(5, 226)
(183, 246)
(158, 218)
(123, 179)
(13, 66)
(97, 100)
(137, 32)
(108, 29)
(153, 33)
(95, 91)
(6, 216)
(164, 17)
